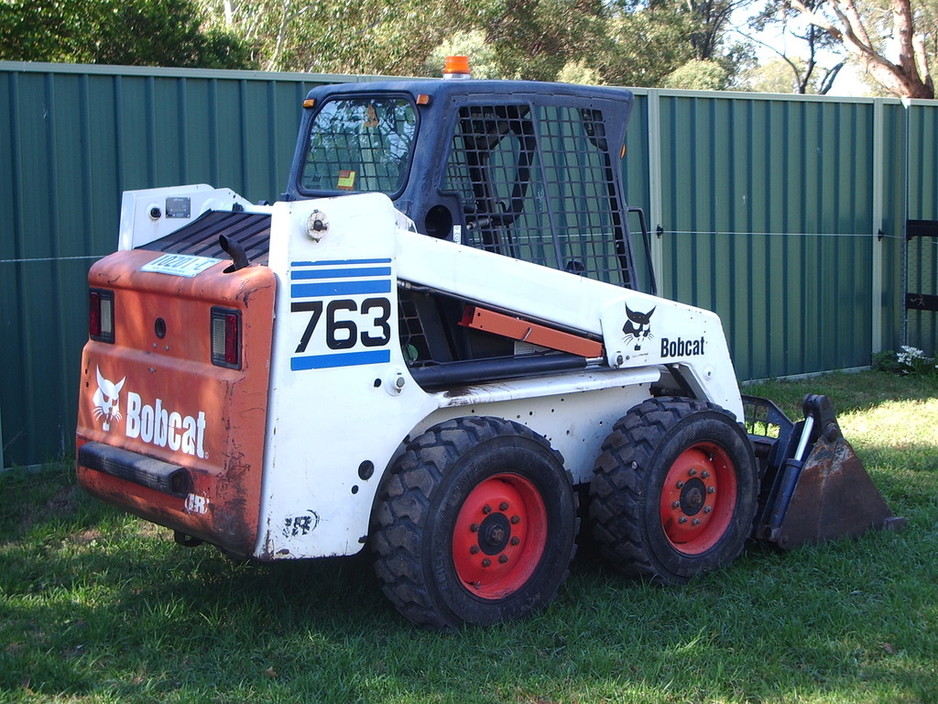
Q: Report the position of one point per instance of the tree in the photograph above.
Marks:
(392, 37)
(483, 57)
(698, 75)
(625, 42)
(805, 72)
(874, 30)
(646, 44)
(789, 74)
(129, 32)
(713, 18)
(535, 39)
(672, 42)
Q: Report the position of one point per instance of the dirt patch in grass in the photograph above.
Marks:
(145, 529)
(64, 501)
(86, 537)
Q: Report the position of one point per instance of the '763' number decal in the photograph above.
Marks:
(345, 329)
(342, 332)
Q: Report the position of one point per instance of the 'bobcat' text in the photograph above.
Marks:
(681, 347)
(155, 425)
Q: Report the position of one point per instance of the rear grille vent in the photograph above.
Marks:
(200, 237)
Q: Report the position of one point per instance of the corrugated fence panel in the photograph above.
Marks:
(71, 140)
(922, 260)
(766, 207)
(635, 167)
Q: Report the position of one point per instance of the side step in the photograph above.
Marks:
(814, 487)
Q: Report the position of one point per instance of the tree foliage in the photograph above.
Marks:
(789, 74)
(810, 69)
(129, 32)
(621, 42)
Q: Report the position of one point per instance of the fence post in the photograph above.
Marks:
(876, 285)
(654, 190)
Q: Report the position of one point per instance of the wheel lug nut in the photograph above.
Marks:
(486, 509)
(695, 522)
(711, 490)
(474, 528)
(503, 506)
(707, 509)
(705, 474)
(474, 550)
(682, 519)
(516, 520)
(675, 504)
(515, 540)
(692, 472)
(486, 562)
(503, 559)
(680, 485)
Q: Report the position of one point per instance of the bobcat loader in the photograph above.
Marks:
(441, 335)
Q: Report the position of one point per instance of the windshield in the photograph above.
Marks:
(360, 144)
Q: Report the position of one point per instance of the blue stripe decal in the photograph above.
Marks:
(342, 262)
(337, 288)
(347, 359)
(340, 273)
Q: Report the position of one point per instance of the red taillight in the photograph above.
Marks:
(101, 315)
(226, 338)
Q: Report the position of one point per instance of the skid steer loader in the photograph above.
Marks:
(442, 330)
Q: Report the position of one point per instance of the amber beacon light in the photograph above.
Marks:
(456, 67)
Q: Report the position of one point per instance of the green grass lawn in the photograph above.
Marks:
(98, 606)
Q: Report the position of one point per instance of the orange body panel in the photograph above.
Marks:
(526, 331)
(161, 397)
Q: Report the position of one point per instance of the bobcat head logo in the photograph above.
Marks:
(106, 400)
(637, 327)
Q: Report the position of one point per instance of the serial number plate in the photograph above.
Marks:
(178, 207)
(179, 265)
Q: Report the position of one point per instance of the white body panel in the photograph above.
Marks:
(177, 207)
(341, 399)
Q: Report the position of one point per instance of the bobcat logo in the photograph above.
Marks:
(637, 327)
(106, 400)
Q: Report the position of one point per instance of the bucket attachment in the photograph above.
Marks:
(814, 487)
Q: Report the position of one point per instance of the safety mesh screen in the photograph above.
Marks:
(536, 183)
(414, 344)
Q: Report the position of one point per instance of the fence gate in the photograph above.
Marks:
(921, 288)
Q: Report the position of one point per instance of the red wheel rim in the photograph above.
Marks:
(499, 536)
(698, 499)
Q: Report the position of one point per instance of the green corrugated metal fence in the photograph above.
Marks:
(71, 140)
(769, 210)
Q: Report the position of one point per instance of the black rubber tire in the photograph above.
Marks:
(628, 511)
(415, 516)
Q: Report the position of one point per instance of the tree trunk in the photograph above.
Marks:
(908, 77)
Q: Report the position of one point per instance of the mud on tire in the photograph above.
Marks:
(674, 491)
(475, 523)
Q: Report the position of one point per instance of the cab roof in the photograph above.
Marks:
(471, 89)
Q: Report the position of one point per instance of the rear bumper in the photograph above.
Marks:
(146, 471)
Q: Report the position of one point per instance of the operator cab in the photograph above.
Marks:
(528, 170)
